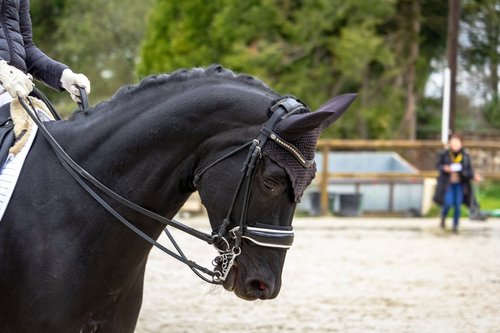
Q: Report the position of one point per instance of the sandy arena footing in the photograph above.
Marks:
(343, 275)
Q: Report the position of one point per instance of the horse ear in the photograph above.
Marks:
(326, 115)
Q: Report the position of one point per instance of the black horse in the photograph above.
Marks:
(67, 265)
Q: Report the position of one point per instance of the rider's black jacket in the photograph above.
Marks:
(17, 47)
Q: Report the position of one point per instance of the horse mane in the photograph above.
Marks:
(179, 76)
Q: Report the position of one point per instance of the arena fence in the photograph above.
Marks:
(422, 154)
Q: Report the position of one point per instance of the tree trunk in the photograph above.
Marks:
(408, 127)
(361, 124)
(494, 59)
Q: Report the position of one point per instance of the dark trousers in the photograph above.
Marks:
(453, 198)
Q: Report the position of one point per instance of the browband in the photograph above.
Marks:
(288, 146)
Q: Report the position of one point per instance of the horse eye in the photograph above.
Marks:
(271, 185)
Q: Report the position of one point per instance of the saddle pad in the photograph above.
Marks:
(9, 173)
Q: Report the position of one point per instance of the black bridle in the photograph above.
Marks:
(272, 236)
(227, 242)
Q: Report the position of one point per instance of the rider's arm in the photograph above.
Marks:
(39, 64)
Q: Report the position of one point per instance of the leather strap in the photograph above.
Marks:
(79, 174)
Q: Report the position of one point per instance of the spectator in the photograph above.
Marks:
(454, 181)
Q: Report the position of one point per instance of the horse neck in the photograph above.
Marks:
(147, 147)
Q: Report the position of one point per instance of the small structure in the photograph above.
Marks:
(371, 182)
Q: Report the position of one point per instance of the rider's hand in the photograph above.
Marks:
(14, 81)
(447, 168)
(70, 80)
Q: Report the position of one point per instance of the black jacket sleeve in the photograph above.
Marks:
(38, 63)
(468, 171)
(442, 160)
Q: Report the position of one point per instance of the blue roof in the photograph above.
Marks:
(352, 162)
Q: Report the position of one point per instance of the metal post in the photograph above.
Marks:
(453, 26)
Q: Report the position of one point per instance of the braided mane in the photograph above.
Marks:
(175, 79)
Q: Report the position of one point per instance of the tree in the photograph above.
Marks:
(417, 34)
(102, 39)
(312, 49)
(99, 38)
(178, 35)
(45, 18)
(480, 52)
(409, 20)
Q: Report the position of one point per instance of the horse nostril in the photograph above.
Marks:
(260, 288)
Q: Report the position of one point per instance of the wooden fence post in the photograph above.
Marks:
(324, 181)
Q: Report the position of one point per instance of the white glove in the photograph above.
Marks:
(14, 81)
(70, 80)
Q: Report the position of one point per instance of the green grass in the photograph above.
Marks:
(487, 193)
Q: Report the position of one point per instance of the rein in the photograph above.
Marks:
(227, 243)
(81, 175)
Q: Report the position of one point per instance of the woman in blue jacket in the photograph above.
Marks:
(20, 59)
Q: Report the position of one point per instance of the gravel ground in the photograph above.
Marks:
(344, 275)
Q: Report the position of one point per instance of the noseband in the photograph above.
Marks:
(227, 242)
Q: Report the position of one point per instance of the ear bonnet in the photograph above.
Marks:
(294, 137)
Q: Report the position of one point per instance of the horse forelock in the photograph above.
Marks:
(174, 82)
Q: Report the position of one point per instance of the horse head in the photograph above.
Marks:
(251, 194)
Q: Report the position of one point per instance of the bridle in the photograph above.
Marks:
(227, 242)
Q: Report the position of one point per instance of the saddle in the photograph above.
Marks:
(7, 137)
(16, 125)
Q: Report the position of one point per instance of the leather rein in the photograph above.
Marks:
(227, 242)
